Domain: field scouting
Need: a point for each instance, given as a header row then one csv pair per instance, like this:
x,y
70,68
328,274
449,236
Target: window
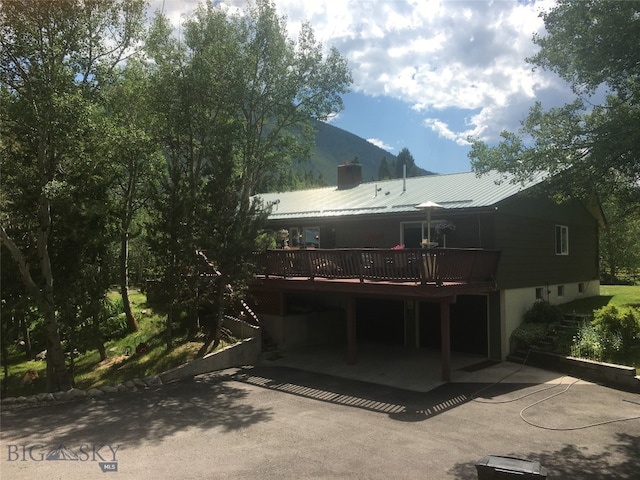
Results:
x,y
561,290
581,287
539,292
562,240
304,237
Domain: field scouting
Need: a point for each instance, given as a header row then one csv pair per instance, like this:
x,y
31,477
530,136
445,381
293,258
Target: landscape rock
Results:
x,y
76,393
60,395
108,389
139,383
130,385
122,388
9,400
153,381
95,392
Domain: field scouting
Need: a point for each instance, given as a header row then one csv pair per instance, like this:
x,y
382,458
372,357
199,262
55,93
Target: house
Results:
x,y
450,262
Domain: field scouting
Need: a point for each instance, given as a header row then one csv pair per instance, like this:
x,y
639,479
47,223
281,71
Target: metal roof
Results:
x,y
451,191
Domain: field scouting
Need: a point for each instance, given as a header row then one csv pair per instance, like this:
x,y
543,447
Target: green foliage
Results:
x,y
542,312
395,169
405,159
181,135
234,103
593,147
620,257
114,324
612,336
528,334
588,343
55,58
620,323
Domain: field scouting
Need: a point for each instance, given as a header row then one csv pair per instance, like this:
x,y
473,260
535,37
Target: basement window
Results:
x,y
562,240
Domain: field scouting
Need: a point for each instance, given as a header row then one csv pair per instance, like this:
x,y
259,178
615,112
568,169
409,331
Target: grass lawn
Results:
x,y
618,295
122,362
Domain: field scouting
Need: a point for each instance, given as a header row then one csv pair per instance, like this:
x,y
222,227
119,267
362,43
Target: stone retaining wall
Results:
x,y
616,376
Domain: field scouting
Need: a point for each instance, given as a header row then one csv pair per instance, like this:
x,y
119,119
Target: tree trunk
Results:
x,y
57,375
26,336
213,336
132,323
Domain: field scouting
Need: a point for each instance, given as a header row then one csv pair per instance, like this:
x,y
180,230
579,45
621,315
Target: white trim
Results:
x,y
564,239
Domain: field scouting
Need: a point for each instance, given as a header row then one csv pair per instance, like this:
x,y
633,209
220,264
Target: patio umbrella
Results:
x,y
429,206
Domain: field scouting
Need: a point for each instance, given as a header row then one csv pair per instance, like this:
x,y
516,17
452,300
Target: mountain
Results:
x,y
335,146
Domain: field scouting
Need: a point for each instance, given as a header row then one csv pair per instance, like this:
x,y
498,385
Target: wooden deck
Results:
x,y
409,273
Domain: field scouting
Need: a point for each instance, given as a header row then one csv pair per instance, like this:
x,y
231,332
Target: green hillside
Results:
x,y
335,146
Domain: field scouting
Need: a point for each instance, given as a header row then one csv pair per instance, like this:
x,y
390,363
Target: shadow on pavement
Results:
x,y
398,404
620,461
134,417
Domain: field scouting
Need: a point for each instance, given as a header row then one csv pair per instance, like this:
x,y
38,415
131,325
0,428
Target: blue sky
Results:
x,y
427,73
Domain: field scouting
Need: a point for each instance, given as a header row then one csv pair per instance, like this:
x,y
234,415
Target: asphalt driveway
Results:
x,y
276,422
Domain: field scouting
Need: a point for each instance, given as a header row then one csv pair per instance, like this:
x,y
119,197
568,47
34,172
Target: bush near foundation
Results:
x,y
543,312
528,334
538,322
616,320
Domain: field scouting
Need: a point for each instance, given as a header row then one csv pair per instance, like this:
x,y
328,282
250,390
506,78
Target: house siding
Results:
x,y
472,229
526,237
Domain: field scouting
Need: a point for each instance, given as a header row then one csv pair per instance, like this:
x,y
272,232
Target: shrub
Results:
x,y
593,343
588,343
114,324
528,334
112,307
543,312
623,323
114,328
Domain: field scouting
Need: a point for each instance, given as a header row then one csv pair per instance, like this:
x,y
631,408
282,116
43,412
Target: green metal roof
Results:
x,y
451,191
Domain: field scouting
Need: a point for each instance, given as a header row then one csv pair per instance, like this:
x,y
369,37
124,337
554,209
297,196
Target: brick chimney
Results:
x,y
349,175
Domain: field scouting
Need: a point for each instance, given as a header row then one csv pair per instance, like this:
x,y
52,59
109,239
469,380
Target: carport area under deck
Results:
x,y
390,365
433,275
350,292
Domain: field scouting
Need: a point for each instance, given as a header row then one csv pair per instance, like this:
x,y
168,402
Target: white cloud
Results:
x,y
435,55
443,130
438,55
380,143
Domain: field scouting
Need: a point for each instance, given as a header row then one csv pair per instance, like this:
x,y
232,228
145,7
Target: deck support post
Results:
x,y
282,304
445,337
352,344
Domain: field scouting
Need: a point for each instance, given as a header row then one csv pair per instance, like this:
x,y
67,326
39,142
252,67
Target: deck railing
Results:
x,y
439,265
